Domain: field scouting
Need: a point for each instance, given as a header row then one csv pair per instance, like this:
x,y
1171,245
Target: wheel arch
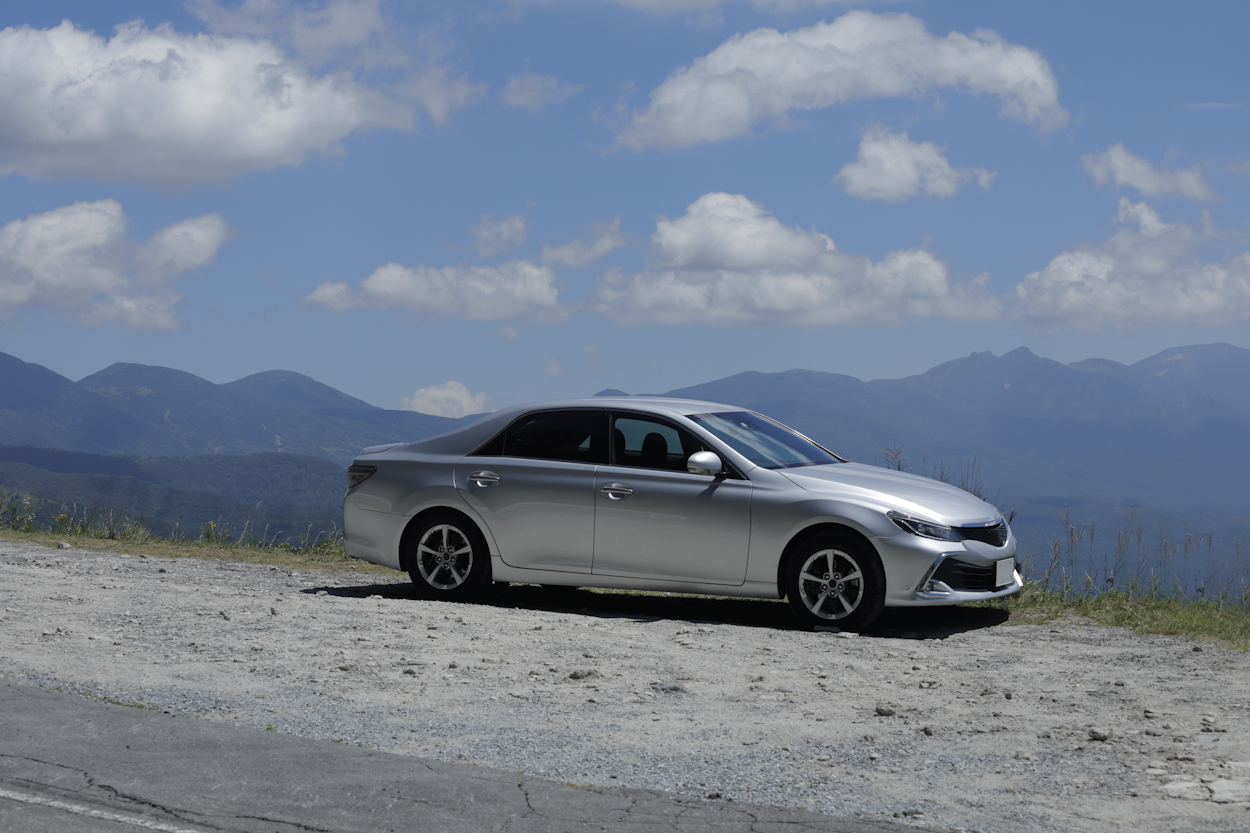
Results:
x,y
415,522
806,534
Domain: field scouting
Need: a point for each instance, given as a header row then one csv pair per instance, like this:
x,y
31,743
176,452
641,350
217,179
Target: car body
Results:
x,y
651,493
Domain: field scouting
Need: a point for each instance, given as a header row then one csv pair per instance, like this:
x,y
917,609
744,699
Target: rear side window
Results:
x,y
555,435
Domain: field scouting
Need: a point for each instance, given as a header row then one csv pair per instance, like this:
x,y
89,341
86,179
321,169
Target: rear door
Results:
x,y
534,488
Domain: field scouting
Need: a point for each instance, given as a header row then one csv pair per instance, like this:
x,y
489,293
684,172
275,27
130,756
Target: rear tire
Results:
x,y
447,557
835,580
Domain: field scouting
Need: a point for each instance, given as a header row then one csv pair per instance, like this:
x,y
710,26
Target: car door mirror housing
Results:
x,y
705,462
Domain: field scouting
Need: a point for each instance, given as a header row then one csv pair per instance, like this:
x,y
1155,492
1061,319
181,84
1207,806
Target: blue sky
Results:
x,y
544,198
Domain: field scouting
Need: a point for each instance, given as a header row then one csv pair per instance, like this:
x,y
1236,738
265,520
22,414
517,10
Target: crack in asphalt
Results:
x,y
295,824
45,763
132,802
526,794
181,815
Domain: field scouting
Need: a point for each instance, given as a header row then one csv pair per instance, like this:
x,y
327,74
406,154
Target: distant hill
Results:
x,y
285,494
1169,434
152,411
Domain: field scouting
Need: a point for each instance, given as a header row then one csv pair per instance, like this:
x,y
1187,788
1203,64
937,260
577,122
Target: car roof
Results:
x,y
463,440
655,404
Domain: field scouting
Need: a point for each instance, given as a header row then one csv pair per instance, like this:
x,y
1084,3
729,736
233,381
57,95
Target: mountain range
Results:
x,y
1169,435
154,411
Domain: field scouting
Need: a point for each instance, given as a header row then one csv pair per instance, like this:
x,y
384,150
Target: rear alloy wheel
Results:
x,y
447,557
835,581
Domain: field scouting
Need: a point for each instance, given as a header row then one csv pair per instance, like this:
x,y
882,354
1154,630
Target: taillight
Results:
x,y
359,474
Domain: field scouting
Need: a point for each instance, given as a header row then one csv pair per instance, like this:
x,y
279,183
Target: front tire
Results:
x,y
447,557
836,581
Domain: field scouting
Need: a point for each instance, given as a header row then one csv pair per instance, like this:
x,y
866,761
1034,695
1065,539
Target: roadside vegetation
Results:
x,y
1173,615
1134,580
1186,584
109,531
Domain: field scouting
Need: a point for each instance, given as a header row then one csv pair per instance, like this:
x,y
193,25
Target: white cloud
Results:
x,y
495,236
317,34
891,167
77,261
437,93
160,107
534,92
728,261
514,289
1144,273
1120,167
554,369
450,399
182,246
603,238
351,33
764,74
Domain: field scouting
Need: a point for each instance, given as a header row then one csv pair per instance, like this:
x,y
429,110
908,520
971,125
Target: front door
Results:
x,y
653,519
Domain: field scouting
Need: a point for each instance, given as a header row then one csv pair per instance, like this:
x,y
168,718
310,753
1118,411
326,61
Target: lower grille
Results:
x,y
995,536
960,575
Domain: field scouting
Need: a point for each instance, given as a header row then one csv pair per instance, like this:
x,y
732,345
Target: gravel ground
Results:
x,y
945,719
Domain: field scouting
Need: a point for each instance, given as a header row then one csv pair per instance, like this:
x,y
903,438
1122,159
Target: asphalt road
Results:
x,y
70,765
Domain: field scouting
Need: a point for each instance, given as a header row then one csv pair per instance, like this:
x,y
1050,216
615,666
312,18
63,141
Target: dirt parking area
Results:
x,y
957,720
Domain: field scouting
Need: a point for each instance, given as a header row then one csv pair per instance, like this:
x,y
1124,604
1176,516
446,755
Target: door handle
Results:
x,y
482,479
616,491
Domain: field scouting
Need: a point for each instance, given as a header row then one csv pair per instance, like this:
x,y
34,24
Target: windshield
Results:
x,y
764,442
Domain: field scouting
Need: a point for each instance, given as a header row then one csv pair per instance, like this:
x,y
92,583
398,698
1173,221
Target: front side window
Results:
x,y
768,444
646,443
555,435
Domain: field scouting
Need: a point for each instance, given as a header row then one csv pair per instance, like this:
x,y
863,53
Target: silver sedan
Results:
x,y
647,493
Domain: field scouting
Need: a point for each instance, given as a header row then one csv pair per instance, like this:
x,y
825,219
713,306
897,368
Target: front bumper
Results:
x,y
916,577
936,592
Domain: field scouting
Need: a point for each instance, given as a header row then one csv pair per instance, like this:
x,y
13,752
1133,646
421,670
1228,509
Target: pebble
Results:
x,y
1190,790
1227,791
885,710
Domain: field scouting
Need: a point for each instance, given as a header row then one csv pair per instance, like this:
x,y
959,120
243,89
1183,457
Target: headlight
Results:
x,y
923,528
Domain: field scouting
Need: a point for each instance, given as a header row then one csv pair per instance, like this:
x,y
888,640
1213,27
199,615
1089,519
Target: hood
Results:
x,y
922,497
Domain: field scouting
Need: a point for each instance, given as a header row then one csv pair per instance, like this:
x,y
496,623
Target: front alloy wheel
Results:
x,y
831,584
836,581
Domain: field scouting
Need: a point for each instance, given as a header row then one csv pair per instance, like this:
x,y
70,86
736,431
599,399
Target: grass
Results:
x,y
1205,620
330,557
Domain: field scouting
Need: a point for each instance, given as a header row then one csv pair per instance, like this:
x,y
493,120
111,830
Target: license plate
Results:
x,y
1004,572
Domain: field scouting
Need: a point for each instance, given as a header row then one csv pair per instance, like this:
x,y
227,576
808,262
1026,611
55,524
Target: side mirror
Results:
x,y
705,462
